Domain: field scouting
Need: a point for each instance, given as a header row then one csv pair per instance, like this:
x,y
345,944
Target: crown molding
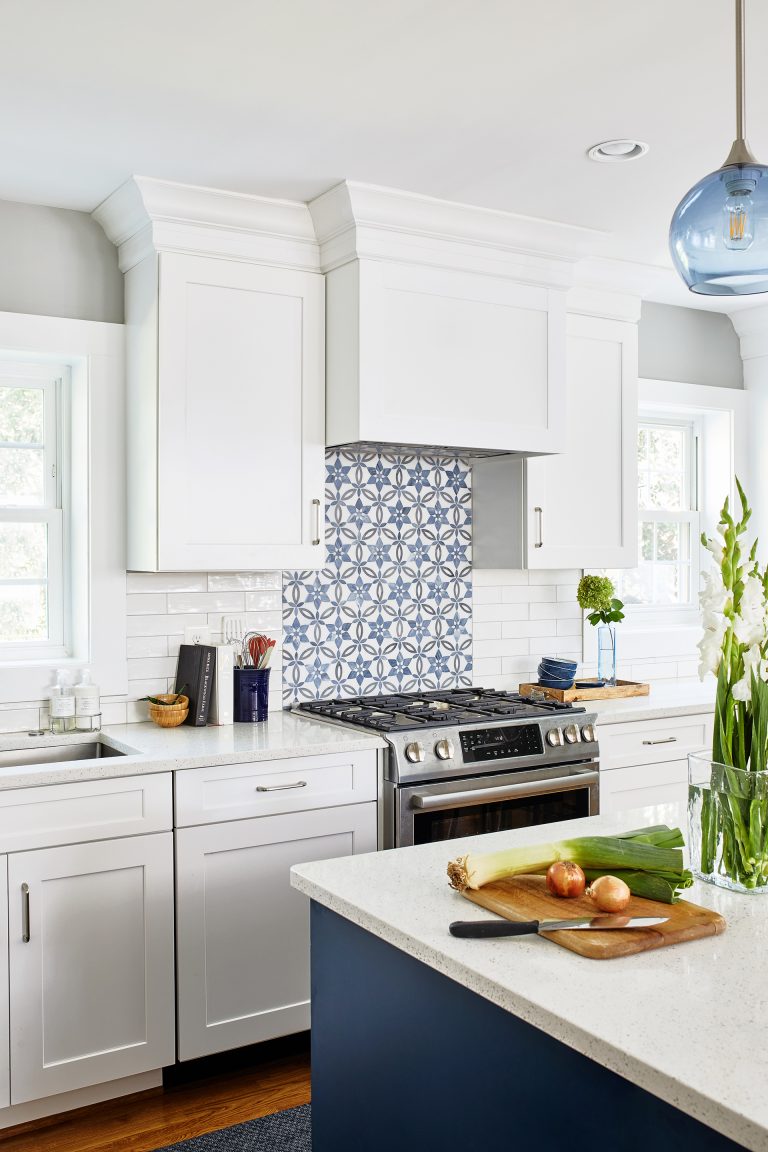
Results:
x,y
354,221
145,215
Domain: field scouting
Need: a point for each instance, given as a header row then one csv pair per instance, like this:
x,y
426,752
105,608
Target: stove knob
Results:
x,y
555,737
572,733
588,733
444,749
414,752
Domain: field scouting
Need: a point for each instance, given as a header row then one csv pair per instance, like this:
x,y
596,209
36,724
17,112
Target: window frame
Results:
x,y
725,417
93,490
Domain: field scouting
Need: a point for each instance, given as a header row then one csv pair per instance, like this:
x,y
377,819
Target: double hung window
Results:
x,y
32,531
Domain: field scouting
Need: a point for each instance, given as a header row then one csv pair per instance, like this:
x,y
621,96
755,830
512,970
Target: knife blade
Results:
x,y
492,929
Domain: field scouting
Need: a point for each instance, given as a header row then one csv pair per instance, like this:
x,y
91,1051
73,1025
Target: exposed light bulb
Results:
x,y
738,212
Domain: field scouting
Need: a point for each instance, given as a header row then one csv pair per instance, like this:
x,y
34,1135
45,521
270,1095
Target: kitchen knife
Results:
x,y
490,929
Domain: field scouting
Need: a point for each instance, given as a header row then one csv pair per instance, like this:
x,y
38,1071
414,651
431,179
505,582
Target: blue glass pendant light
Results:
x,y
719,231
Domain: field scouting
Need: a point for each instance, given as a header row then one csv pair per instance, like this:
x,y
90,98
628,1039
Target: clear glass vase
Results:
x,y
728,825
606,653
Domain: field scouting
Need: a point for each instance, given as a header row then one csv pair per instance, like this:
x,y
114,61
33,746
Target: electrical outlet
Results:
x,y
199,634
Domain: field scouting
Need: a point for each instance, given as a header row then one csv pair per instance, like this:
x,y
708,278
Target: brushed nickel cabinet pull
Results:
x,y
540,542
280,787
316,510
25,913
666,740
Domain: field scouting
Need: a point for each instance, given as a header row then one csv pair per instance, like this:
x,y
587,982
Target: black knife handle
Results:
x,y
490,929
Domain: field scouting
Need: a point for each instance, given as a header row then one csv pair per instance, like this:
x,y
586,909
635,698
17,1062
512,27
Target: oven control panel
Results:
x,y
479,745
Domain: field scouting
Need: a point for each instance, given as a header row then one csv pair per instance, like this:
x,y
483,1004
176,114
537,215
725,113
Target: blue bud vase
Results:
x,y
606,653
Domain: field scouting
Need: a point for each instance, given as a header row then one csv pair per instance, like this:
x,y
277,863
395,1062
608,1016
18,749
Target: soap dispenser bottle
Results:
x,y
87,704
62,704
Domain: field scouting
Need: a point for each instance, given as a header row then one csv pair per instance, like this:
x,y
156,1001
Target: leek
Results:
x,y
645,852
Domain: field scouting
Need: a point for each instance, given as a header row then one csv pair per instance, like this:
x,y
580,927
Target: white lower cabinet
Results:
x,y
91,971
646,761
242,931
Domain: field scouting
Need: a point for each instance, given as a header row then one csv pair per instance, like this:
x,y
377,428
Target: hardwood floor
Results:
x,y
196,1098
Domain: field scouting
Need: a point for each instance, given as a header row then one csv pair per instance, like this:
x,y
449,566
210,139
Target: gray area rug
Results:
x,y
288,1131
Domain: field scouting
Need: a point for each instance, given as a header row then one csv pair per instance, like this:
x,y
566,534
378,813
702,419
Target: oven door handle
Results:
x,y
507,792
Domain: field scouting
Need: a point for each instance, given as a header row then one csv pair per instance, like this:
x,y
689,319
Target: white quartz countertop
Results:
x,y
153,749
667,698
686,1023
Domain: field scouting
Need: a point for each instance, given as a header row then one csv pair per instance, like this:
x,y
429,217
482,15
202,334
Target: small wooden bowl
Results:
x,y
169,715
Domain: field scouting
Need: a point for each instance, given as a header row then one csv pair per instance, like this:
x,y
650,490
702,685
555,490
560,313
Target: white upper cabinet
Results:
x,y
577,509
225,416
446,324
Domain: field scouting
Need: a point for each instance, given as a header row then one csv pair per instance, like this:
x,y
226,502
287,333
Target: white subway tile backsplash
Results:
x,y
569,627
145,647
489,595
567,593
489,631
245,581
147,687
268,601
528,628
528,594
557,611
218,602
166,582
140,603
485,612
163,625
554,576
486,667
510,647
498,576
154,667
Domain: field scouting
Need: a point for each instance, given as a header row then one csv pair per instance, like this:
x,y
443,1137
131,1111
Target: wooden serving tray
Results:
x,y
621,689
527,898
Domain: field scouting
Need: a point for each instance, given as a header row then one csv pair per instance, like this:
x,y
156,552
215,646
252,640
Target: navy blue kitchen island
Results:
x,y
423,1041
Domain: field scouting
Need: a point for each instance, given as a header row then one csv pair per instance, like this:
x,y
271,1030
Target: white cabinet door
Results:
x,y
91,963
420,355
581,505
641,784
242,931
5,1079
237,420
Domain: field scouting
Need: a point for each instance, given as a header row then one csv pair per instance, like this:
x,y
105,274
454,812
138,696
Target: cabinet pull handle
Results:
x,y
540,542
280,787
25,913
666,740
316,510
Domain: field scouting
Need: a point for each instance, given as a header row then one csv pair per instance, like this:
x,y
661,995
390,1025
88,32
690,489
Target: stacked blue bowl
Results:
x,y
557,673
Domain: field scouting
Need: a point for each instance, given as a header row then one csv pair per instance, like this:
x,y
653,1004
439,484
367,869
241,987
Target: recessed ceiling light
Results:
x,y
611,151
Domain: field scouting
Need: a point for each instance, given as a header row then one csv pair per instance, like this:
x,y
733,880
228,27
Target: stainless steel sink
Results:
x,y
57,753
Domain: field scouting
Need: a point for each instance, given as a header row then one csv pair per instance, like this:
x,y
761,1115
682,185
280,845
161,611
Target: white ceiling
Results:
x,y
487,102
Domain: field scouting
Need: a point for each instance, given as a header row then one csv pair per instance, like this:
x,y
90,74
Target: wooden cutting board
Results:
x,y
527,898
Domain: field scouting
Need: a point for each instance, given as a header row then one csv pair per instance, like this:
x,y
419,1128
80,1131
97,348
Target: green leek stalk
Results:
x,y
600,854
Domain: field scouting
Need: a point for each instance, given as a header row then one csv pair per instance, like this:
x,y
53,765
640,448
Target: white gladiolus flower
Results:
x,y
716,548
749,625
714,595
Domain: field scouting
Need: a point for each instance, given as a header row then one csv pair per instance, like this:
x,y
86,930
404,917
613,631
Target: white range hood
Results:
x,y
446,324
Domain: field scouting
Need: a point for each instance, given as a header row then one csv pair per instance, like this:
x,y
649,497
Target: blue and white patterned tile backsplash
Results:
x,y
392,611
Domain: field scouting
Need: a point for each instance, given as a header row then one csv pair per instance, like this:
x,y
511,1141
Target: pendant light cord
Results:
x,y
740,79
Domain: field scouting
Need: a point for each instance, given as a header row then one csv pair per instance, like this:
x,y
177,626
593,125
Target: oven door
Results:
x,y
472,806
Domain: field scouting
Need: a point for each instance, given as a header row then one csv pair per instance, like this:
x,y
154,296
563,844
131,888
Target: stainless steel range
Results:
x,y
470,760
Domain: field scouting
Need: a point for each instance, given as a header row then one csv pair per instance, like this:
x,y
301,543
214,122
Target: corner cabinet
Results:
x,y
226,438
577,509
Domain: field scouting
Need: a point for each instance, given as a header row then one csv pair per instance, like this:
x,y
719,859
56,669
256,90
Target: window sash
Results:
x,y
54,645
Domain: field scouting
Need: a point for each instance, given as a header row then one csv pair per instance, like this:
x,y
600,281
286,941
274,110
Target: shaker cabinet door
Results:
x,y
581,505
243,932
91,963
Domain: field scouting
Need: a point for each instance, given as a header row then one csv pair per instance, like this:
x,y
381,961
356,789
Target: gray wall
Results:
x,y
54,262
690,345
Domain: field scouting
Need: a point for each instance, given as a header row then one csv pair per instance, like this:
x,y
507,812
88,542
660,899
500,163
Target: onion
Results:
x,y
564,878
609,893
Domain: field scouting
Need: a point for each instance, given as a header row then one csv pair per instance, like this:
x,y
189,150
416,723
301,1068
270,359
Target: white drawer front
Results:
x,y
641,784
297,784
651,741
86,810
